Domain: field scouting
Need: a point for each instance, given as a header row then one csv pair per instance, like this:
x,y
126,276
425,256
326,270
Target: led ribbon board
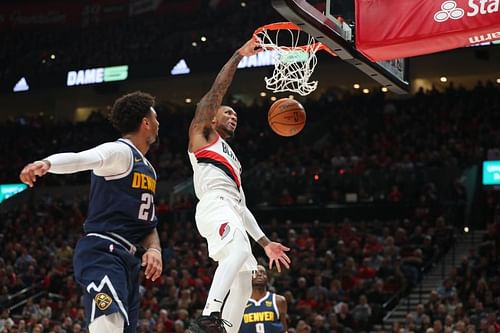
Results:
x,y
96,75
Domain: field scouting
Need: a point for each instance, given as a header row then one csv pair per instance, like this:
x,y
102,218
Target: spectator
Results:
x,y
447,291
45,309
6,322
361,313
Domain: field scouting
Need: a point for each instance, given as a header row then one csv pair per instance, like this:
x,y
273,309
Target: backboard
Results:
x,y
331,22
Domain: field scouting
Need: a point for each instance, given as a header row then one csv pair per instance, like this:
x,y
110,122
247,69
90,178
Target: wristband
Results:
x,y
154,249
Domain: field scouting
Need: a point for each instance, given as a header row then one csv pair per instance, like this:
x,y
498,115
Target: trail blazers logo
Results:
x,y
224,230
103,301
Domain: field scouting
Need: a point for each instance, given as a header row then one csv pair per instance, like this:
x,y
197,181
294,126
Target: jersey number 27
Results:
x,y
147,207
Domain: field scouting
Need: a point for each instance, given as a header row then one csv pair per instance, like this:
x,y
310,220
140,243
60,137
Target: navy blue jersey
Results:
x,y
262,316
124,203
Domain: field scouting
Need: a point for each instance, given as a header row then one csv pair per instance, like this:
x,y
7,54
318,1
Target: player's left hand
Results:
x,y
276,253
151,259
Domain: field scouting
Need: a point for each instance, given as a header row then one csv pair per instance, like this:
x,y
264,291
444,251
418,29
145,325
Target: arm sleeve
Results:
x,y
108,159
251,225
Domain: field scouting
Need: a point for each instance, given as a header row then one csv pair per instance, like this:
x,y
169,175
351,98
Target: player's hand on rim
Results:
x,y
276,253
251,47
31,171
151,260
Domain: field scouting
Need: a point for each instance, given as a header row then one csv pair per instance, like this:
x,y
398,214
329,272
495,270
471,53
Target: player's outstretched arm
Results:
x,y
201,125
110,158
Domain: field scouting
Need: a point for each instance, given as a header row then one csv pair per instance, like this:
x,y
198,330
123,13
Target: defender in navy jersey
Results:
x,y
121,215
222,216
265,312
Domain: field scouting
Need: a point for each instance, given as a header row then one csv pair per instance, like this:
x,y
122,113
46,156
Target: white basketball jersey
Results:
x,y
216,168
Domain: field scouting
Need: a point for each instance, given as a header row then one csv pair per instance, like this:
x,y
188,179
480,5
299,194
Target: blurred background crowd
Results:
x,y
344,271
370,196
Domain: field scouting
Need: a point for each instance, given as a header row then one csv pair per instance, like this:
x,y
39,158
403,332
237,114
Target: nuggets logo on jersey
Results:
x,y
103,301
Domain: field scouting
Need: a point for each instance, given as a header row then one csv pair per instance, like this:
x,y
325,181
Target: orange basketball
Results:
x,y
286,117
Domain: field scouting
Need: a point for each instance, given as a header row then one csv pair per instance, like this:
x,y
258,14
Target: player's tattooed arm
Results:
x,y
208,105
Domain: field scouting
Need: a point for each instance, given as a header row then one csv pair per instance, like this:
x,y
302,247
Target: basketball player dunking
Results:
x,y
265,312
121,213
222,217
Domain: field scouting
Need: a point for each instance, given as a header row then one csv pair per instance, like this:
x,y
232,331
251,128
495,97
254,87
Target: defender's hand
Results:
x,y
31,171
151,259
276,253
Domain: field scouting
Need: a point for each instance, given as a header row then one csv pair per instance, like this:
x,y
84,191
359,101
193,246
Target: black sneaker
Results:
x,y
209,324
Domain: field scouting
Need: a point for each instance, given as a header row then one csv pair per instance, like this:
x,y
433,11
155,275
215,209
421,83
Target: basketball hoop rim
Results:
x,y
292,26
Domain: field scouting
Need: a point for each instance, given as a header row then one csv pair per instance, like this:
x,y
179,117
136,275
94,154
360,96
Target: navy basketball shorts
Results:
x,y
109,276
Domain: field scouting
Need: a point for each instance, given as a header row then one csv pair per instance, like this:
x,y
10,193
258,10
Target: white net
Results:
x,y
293,63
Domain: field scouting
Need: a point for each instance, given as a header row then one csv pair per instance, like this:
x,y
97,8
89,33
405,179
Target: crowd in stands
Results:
x,y
341,276
400,151
469,299
343,271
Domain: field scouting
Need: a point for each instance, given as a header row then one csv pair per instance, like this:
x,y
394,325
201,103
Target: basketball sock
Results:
x,y
240,292
226,273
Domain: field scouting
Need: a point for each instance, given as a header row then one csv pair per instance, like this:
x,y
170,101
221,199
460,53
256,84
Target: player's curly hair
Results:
x,y
129,110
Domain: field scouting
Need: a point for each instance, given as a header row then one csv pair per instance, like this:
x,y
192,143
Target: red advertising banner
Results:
x,y
390,29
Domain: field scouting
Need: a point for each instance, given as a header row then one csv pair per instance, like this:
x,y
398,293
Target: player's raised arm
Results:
x,y
200,130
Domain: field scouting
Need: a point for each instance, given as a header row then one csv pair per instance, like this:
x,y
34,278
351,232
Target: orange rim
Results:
x,y
292,26
277,26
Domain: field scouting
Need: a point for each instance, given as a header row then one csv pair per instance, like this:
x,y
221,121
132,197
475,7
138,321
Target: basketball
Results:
x,y
286,117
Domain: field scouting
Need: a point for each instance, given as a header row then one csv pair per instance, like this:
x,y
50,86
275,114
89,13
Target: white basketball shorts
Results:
x,y
217,219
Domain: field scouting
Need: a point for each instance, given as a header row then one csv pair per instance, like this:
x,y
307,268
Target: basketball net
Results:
x,y
293,63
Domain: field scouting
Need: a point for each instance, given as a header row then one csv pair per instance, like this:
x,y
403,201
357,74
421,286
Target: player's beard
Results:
x,y
228,133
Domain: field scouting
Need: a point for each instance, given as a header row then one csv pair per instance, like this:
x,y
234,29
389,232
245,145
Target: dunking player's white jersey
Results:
x,y
216,168
221,210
